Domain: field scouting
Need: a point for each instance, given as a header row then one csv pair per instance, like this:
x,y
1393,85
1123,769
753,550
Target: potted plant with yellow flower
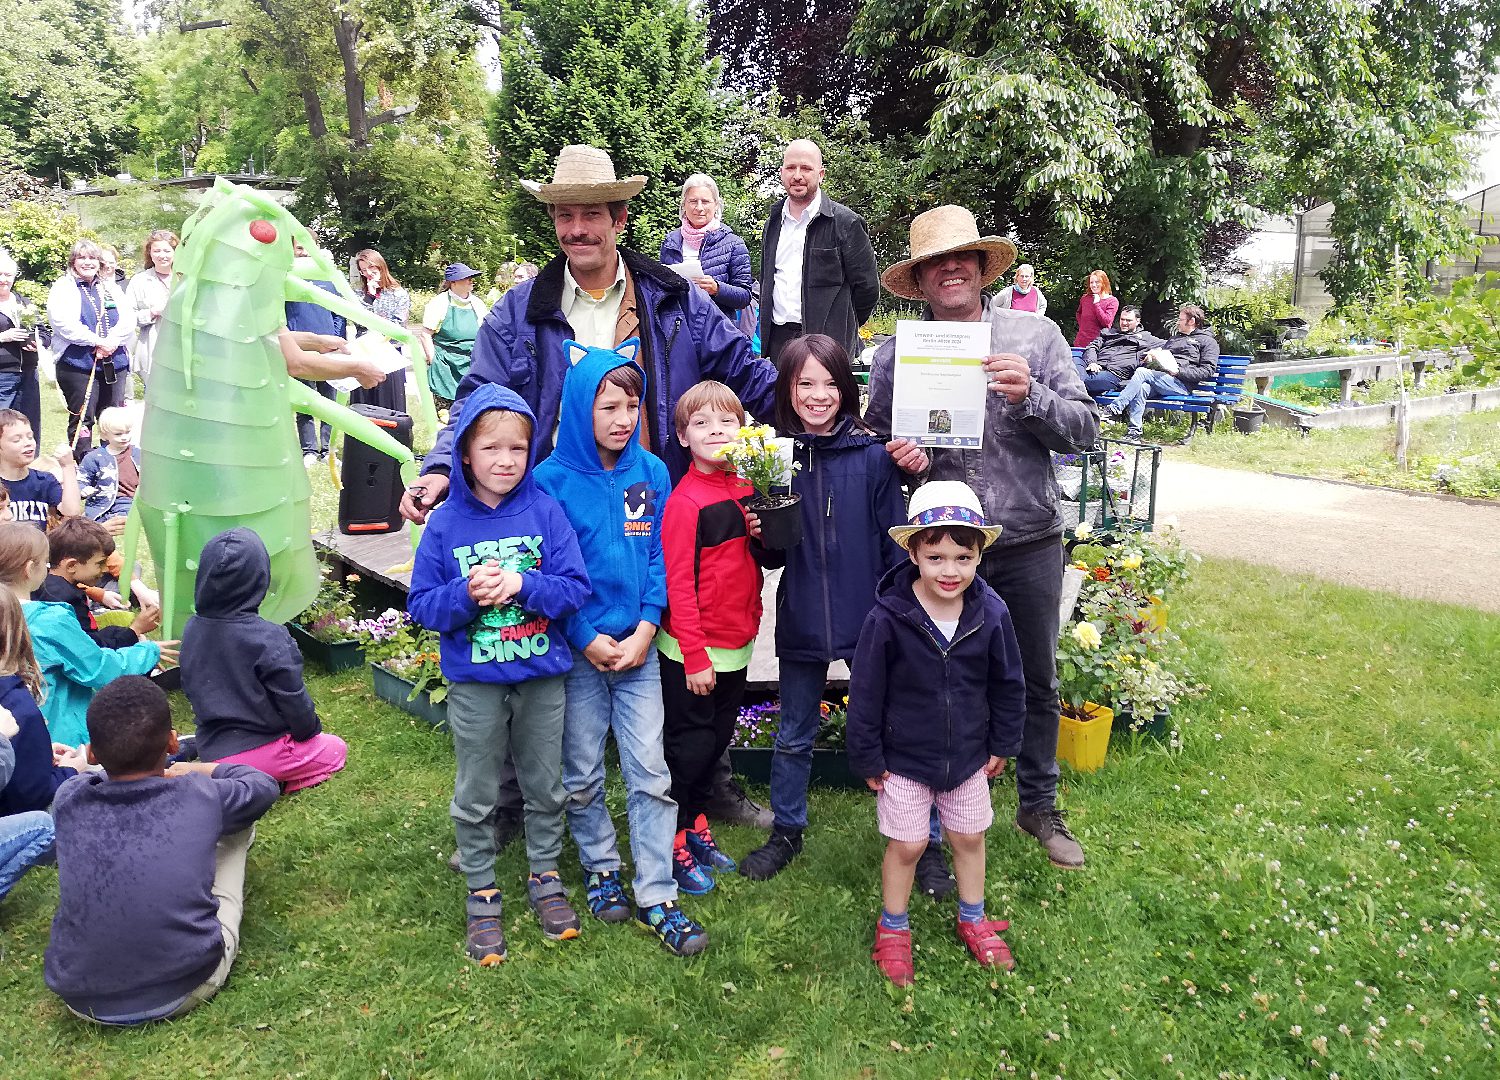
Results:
x,y
765,463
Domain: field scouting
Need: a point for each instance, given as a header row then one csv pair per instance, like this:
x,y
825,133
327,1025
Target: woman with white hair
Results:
x,y
1024,295
723,261
89,333
18,352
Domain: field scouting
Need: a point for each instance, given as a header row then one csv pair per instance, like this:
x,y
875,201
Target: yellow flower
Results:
x,y
1087,635
726,451
1130,562
1081,565
744,433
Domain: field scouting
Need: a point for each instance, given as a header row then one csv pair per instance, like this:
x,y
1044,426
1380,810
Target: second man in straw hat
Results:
x,y
1036,405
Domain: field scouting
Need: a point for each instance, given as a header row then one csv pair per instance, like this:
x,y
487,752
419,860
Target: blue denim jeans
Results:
x,y
10,388
1101,382
25,840
802,683
1145,383
629,704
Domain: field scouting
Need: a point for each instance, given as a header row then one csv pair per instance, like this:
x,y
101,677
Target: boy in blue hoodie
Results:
x,y
497,563
613,490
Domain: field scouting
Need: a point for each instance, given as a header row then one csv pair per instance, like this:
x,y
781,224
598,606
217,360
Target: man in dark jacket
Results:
x,y
1190,357
599,294
817,268
1111,358
1036,405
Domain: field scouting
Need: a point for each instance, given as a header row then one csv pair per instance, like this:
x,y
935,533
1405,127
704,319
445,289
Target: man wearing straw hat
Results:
x,y
600,294
1037,405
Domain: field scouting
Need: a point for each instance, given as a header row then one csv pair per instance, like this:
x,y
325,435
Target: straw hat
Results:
x,y
584,174
939,231
944,502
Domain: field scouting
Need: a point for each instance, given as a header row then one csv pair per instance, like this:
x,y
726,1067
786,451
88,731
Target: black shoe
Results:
x,y
730,805
933,876
771,858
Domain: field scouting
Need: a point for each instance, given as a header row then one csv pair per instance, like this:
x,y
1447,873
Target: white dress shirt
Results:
x,y
786,286
593,321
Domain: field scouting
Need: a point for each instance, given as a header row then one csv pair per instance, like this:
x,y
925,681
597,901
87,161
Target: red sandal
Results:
x,y
984,942
892,955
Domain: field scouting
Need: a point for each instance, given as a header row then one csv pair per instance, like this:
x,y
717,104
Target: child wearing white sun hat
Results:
x,y
937,704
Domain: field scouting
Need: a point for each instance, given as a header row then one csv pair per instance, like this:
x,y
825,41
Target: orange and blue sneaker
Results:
x,y
606,897
485,940
550,902
690,877
679,935
700,841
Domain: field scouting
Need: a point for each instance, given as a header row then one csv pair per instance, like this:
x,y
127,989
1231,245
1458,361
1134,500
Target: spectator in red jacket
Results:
x,y
1096,309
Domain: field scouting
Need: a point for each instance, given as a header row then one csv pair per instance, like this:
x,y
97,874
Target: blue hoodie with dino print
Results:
x,y
529,533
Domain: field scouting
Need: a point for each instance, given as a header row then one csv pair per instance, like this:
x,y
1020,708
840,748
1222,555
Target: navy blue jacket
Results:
x,y
684,340
35,779
930,712
725,258
242,674
851,494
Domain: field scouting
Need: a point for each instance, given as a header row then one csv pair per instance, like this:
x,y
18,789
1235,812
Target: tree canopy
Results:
x,y
630,76
1130,134
65,87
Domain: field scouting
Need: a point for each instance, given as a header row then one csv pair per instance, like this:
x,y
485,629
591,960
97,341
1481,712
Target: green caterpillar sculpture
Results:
x,y
219,443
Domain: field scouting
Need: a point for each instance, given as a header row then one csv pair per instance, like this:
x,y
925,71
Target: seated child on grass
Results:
x,y
73,665
34,493
108,474
37,770
243,674
150,867
498,562
77,550
613,490
713,615
936,706
25,838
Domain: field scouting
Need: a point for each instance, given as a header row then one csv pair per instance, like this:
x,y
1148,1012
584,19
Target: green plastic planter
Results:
x,y
328,655
1158,727
830,768
392,688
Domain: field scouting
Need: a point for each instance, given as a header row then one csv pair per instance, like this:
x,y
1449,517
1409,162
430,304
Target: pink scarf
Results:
x,y
693,238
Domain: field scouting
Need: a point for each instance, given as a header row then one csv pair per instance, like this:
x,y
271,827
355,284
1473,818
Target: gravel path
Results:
x,y
1412,545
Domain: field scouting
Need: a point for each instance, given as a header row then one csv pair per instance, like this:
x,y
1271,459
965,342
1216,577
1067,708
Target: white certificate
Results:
x,y
940,385
371,346
688,268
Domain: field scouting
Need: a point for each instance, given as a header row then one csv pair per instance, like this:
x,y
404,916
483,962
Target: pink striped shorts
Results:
x,y
904,808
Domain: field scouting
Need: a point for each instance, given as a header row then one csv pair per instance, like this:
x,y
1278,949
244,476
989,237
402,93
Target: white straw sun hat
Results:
x,y
584,174
944,502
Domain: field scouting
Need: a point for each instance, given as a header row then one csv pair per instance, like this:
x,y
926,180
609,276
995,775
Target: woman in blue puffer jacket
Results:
x,y
721,254
851,496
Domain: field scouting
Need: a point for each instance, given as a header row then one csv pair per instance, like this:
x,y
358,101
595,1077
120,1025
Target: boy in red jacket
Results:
x,y
713,615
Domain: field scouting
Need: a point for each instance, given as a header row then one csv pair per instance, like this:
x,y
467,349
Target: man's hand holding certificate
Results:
x,y
940,378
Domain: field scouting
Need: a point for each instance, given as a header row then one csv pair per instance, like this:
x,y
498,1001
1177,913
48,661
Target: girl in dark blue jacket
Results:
x,y
851,494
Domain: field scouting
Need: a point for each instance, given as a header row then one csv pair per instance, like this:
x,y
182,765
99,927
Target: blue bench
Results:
x,y
1212,396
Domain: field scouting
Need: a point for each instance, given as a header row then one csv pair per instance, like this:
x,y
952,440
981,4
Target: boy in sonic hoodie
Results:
x,y
497,564
613,490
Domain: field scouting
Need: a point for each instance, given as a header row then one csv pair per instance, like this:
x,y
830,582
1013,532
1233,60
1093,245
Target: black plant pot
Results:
x,y
1248,421
780,520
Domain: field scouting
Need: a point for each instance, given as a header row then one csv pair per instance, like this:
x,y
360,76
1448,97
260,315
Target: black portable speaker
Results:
x,y
371,496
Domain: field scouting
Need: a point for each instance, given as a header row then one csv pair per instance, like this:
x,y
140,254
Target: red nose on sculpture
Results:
x,y
263,231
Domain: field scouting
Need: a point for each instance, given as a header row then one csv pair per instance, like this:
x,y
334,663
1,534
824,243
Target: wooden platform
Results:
x,y
377,558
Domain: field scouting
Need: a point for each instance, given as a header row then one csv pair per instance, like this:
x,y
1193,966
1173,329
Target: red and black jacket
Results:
x,y
713,567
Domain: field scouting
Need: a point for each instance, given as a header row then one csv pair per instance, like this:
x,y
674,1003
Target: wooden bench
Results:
x,y
1212,396
1352,369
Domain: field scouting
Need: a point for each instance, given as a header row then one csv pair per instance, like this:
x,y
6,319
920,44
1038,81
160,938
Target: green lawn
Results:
x,y
1305,887
1468,445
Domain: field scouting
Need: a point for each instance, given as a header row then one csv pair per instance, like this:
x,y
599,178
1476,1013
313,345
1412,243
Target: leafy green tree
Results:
x,y
65,75
1138,135
630,76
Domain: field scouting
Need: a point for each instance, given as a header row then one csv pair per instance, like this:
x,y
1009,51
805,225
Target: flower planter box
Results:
x,y
830,768
392,688
328,655
1158,726
1083,741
